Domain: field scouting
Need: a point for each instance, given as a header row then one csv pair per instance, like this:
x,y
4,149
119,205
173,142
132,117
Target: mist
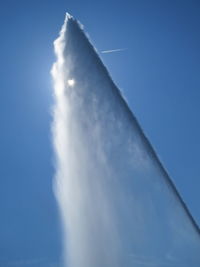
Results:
x,y
118,205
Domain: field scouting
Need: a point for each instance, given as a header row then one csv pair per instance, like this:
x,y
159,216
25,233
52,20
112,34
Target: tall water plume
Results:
x,y
118,205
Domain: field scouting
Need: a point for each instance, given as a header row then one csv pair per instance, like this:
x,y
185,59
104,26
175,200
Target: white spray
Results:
x,y
118,206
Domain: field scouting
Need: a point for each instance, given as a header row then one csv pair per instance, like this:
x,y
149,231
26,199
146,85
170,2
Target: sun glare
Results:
x,y
71,82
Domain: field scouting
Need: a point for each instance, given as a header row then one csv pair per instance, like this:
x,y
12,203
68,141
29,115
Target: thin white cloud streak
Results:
x,y
113,50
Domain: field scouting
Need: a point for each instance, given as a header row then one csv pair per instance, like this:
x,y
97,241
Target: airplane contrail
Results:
x,y
113,50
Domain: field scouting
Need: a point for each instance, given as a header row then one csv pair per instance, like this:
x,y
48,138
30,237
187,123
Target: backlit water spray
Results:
x,y
118,205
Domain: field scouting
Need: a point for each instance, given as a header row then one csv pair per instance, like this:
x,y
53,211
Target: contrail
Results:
x,y
114,195
113,50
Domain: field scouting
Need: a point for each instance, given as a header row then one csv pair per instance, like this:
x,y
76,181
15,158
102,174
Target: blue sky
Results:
x,y
158,74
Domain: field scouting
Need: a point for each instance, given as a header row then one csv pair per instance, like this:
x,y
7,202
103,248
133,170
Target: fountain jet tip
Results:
x,y
68,16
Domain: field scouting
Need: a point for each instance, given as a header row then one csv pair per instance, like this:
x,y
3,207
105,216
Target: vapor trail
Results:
x,y
115,197
113,50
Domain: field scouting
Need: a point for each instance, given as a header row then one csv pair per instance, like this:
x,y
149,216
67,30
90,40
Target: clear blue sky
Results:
x,y
158,74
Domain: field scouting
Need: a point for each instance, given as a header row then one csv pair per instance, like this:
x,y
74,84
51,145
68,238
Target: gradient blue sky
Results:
x,y
158,74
